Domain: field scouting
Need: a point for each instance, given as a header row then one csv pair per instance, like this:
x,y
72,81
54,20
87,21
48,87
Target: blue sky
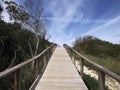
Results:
x,y
70,19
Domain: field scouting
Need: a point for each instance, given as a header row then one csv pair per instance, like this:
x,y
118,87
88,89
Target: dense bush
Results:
x,y
96,47
91,82
101,52
13,39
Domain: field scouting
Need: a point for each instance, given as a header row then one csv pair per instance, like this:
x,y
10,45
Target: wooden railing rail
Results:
x,y
102,71
16,70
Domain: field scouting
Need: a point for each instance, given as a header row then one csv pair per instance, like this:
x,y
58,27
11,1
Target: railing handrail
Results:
x,y
106,71
15,68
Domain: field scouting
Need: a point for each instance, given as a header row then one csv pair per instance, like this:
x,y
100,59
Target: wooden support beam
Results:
x,y
17,80
37,67
81,67
44,59
101,77
74,55
49,53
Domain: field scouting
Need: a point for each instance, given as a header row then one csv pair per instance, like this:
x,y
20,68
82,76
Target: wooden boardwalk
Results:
x,y
60,74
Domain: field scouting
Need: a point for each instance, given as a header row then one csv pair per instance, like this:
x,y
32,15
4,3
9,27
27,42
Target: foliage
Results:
x,y
101,52
9,43
96,47
14,48
12,38
17,12
109,63
91,82
29,16
20,40
28,77
6,83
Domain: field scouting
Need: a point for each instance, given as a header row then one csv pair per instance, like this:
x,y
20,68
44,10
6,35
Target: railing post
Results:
x,y
49,53
17,80
37,66
101,77
71,54
51,50
81,67
74,58
44,60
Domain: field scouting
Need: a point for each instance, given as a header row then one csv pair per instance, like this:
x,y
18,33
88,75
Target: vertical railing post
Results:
x,y
101,77
81,67
49,52
17,80
37,66
74,58
52,49
44,60
71,54
68,51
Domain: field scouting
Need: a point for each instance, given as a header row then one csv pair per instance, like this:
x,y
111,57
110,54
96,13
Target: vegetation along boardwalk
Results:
x,y
60,74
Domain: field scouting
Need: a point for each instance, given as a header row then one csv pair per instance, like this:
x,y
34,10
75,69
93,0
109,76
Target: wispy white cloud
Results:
x,y
102,20
62,12
70,42
76,20
107,31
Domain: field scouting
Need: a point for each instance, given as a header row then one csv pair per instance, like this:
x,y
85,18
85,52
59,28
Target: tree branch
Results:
x,y
37,44
14,57
30,48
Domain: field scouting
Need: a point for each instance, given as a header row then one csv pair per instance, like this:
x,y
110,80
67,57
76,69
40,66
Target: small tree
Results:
x,y
30,16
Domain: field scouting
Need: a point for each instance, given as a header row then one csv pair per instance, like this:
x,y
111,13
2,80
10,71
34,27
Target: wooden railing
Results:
x,y
102,71
16,70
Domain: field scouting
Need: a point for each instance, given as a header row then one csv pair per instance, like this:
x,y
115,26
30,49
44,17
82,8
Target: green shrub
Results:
x,y
91,82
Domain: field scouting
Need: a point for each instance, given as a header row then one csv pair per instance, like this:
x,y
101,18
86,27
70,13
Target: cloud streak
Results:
x,y
64,14
60,20
107,31
75,20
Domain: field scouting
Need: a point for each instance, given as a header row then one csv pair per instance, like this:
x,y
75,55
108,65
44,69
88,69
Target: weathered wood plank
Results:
x,y
61,74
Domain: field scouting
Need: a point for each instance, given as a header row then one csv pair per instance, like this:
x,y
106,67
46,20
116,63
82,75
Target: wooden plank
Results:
x,y
61,74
